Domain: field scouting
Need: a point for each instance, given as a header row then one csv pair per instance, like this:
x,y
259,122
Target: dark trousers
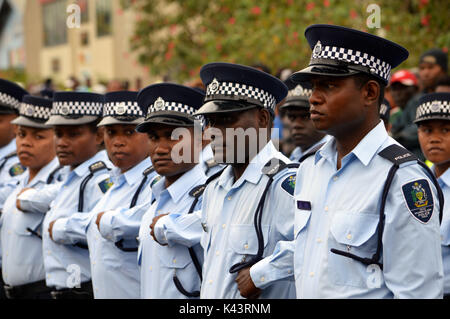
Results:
x,y
35,290
84,292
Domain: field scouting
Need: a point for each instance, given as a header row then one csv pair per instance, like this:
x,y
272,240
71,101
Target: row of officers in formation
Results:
x,y
95,205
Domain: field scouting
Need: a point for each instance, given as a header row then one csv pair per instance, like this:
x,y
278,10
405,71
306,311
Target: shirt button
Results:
x,y
229,198
174,261
335,178
151,268
311,274
223,226
246,246
289,271
217,253
210,281
326,208
262,279
319,240
349,236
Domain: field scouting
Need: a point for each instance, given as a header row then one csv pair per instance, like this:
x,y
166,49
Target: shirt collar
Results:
x,y
445,178
365,150
8,149
83,168
253,172
184,183
43,173
135,174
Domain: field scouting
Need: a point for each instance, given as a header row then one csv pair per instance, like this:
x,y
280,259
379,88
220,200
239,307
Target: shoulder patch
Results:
x,y
289,184
155,180
105,185
419,199
16,169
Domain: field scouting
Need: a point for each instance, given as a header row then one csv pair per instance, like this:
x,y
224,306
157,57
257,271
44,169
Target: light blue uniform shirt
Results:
x,y
344,215
444,182
115,273
159,263
297,153
228,217
66,265
10,172
207,157
22,261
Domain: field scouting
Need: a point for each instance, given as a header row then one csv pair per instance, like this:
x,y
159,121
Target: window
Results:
x,y
55,29
104,17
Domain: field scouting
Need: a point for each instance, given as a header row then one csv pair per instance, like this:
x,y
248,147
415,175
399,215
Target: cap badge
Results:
x,y
435,106
159,104
298,91
317,48
29,110
64,110
121,108
214,86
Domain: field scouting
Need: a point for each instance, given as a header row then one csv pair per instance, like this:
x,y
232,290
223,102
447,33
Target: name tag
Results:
x,y
303,205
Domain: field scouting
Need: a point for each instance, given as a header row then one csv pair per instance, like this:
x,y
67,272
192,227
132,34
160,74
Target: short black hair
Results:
x,y
443,81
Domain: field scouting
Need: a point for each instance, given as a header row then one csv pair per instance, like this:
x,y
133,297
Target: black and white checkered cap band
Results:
x,y
161,105
77,108
128,108
9,100
380,68
433,108
242,90
34,111
300,91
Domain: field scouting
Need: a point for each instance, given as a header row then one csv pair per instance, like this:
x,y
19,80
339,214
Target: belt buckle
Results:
x,y
56,294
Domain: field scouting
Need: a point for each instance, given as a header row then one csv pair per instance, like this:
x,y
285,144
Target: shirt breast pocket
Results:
x,y
174,257
354,233
244,241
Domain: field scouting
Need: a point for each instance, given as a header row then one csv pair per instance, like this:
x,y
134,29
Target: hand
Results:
x,y
152,227
97,221
17,200
246,286
50,229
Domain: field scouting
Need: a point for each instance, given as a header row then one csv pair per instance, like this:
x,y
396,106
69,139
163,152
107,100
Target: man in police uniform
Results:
x,y
302,130
352,239
249,207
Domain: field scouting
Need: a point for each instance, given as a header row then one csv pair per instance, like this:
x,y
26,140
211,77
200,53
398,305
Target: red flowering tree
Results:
x,y
176,37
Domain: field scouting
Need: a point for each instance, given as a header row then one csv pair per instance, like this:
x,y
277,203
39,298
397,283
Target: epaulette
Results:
x,y
97,166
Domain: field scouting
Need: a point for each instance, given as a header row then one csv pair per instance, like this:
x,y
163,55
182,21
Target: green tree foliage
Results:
x,y
176,37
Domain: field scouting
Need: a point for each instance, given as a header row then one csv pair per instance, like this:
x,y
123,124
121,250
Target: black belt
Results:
x,y
27,290
84,292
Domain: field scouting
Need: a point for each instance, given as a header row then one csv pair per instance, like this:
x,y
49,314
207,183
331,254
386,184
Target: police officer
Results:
x,y
433,121
303,133
363,201
10,168
249,207
171,271
75,116
11,95
22,265
115,273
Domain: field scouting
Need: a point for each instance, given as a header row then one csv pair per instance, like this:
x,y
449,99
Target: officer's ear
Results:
x,y
99,135
371,92
264,118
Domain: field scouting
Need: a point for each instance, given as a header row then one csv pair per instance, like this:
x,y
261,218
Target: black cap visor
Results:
x,y
224,106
